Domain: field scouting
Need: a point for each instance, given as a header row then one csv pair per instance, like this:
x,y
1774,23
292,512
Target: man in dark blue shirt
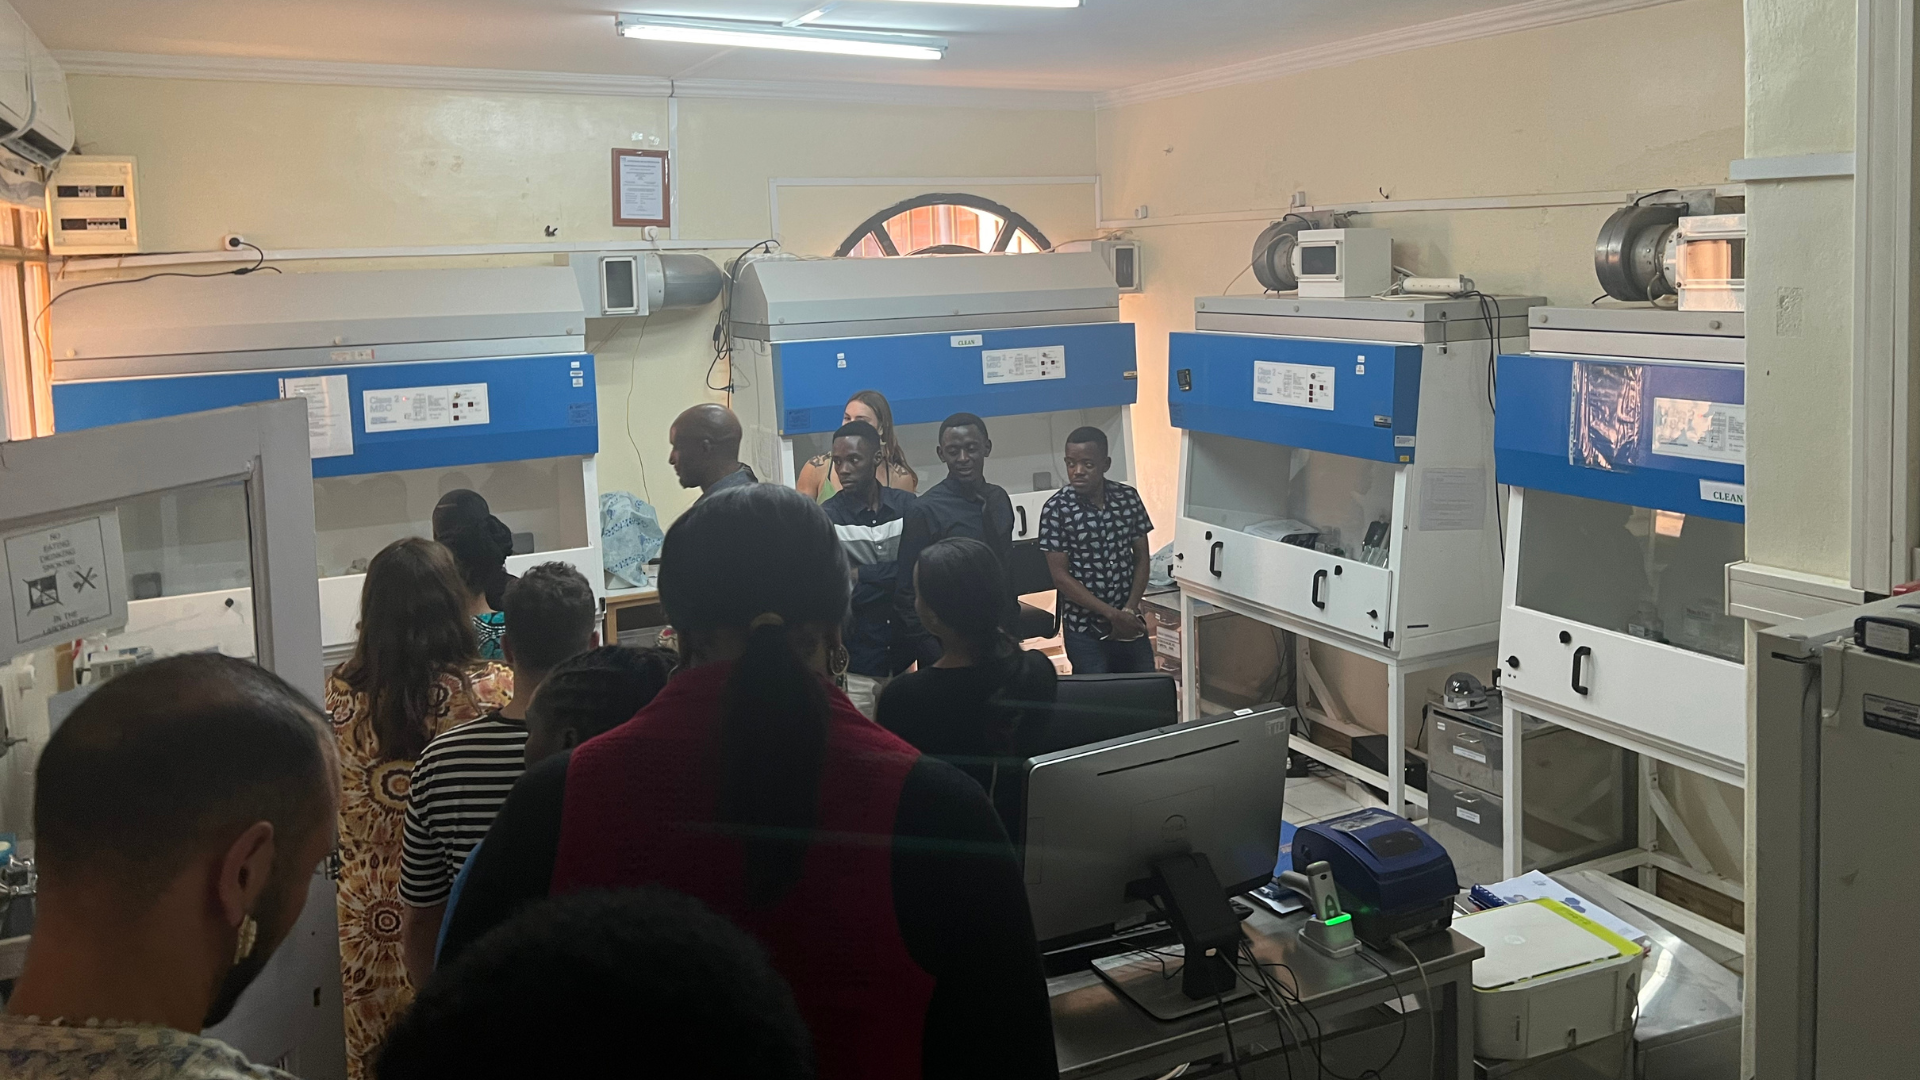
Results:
x,y
869,517
1094,532
963,504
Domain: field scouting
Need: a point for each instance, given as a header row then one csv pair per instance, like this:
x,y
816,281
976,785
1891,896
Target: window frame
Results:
x,y
1011,222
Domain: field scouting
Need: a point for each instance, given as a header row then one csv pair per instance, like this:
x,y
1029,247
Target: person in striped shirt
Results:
x,y
462,777
868,517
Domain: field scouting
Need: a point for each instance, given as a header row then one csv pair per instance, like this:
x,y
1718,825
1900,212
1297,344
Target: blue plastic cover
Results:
x,y
1658,434
1233,384
538,407
928,377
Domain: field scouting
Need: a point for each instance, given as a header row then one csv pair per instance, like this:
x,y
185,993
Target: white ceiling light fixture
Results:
x,y
1003,3
736,33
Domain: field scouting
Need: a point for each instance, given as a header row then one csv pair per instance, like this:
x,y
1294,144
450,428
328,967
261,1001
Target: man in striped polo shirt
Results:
x,y
462,777
868,516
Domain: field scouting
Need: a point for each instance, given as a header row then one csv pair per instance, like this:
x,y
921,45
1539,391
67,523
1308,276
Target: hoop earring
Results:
x,y
249,932
839,660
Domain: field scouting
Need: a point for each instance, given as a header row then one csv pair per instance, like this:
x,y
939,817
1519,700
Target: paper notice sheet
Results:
x,y
329,413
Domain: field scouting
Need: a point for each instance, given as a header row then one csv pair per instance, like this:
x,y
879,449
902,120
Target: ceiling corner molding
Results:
x,y
1527,15
415,77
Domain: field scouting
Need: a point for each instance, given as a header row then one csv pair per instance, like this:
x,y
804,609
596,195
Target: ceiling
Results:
x,y
1107,45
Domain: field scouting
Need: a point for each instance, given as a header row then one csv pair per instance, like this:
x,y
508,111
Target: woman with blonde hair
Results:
x,y
415,672
816,480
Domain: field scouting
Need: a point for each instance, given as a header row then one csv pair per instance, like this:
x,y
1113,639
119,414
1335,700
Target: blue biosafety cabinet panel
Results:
x,y
536,407
1360,399
928,377
1660,434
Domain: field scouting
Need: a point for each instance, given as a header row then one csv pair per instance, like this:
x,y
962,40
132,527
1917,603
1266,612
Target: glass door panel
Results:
x,y
1654,574
1338,505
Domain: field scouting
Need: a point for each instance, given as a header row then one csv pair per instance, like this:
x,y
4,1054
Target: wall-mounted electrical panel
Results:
x,y
91,208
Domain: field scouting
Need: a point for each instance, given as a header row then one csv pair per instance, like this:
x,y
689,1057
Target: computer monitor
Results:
x,y
1099,816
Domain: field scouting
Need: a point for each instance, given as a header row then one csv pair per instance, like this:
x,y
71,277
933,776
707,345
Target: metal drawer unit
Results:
x,y
1466,821
1576,807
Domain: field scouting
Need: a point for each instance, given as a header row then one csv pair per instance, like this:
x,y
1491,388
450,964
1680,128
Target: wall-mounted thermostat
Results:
x,y
91,207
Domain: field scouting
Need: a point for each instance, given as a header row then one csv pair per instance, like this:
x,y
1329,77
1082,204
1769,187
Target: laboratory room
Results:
x,y
878,539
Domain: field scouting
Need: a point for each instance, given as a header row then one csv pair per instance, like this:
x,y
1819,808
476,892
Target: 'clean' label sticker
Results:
x,y
1715,491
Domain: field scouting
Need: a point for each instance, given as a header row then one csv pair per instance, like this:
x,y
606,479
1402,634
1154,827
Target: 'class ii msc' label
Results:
x,y
1299,385
1891,714
1023,365
425,407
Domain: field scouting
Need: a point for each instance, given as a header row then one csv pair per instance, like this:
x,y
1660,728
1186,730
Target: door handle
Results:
x,y
1579,655
1022,511
1319,579
1213,557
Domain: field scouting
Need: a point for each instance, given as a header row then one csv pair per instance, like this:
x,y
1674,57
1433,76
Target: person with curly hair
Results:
x,y
415,672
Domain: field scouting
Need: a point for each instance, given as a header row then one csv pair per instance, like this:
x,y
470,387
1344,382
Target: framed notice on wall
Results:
x,y
642,188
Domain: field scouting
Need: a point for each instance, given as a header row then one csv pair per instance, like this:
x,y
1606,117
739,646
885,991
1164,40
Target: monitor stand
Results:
x,y
1155,981
1185,888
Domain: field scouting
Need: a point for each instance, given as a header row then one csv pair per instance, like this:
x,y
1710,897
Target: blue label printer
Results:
x,y
1395,880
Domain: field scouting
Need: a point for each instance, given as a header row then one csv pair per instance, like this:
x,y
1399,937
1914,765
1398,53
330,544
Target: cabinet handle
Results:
x,y
1579,655
1319,579
1213,557
1022,511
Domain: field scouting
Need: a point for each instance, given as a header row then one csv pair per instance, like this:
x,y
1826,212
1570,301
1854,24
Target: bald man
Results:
x,y
706,450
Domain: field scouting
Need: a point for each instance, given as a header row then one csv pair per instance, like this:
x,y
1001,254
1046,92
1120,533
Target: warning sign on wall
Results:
x,y
66,581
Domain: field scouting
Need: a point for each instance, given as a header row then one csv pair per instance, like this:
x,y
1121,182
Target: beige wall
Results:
x,y
294,166
1543,111
1800,91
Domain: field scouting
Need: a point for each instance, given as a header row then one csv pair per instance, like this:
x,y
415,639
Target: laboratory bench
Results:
x,y
635,613
1098,1034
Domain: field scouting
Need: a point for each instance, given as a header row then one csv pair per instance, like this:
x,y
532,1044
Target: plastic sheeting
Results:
x,y
1609,404
630,536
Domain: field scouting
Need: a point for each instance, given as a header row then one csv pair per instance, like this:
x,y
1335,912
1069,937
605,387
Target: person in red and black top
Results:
x,y
880,881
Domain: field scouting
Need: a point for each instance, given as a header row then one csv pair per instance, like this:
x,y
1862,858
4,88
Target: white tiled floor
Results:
x,y
1316,798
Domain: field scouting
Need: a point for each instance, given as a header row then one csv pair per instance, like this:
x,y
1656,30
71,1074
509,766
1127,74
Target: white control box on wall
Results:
x,y
91,208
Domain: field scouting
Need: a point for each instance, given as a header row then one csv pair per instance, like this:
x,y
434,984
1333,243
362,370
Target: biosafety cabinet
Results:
x,y
417,382
1033,344
1336,480
1622,436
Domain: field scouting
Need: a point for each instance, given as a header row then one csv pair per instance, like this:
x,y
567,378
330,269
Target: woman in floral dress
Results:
x,y
414,673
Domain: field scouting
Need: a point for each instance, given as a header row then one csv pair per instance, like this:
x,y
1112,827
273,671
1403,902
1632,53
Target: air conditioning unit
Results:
x,y
36,117
1123,258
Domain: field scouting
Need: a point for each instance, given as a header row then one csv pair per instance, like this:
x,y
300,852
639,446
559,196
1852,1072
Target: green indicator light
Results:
x,y
1338,919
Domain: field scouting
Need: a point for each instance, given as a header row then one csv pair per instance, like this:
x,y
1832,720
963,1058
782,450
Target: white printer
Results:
x,y
1552,979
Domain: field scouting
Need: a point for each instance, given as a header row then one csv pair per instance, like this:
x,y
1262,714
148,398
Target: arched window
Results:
x,y
943,225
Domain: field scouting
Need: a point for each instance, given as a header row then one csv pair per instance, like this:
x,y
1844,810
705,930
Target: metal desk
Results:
x,y
1099,1034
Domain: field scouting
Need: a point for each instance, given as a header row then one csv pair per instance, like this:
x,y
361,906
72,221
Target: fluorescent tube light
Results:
x,y
1002,3
752,35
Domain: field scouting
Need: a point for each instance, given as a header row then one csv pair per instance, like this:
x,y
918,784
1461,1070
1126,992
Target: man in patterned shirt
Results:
x,y
1094,532
180,812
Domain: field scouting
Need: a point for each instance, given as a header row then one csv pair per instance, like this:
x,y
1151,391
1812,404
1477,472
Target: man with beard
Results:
x,y
179,815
